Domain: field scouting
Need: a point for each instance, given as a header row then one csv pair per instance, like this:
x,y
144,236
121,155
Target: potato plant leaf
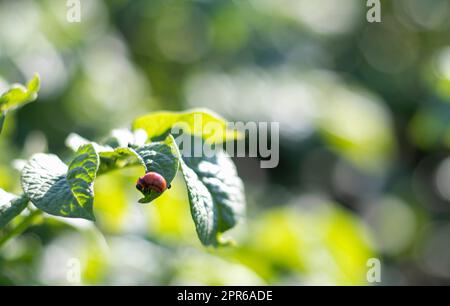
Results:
x,y
60,190
161,156
197,122
17,96
216,195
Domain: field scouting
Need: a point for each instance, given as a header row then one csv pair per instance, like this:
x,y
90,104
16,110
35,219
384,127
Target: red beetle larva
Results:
x,y
152,181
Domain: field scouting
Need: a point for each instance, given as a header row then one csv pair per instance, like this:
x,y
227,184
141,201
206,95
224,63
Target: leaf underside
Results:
x,y
215,194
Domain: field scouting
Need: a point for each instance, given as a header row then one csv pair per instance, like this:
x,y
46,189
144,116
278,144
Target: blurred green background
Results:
x,y
364,113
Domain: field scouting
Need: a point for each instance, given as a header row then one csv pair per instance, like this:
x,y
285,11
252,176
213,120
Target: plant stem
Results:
x,y
21,227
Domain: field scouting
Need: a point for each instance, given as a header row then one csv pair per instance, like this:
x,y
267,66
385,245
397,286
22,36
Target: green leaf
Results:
x,y
10,206
60,190
197,122
110,158
18,96
216,195
161,157
119,158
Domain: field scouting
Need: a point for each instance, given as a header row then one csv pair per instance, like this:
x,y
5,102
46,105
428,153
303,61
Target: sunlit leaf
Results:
x,y
60,190
17,96
197,122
